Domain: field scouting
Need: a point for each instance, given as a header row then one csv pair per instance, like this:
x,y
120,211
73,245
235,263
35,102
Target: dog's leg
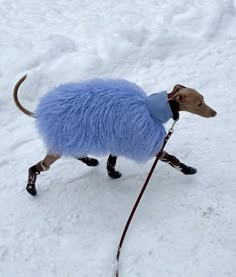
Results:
x,y
111,163
174,162
88,161
36,169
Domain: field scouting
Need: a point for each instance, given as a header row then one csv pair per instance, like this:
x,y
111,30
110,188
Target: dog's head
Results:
x,y
190,100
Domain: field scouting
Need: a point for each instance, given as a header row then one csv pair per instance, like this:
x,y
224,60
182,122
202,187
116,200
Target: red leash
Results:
x,y
140,196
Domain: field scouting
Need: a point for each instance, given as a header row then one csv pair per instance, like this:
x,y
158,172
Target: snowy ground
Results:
x,y
185,226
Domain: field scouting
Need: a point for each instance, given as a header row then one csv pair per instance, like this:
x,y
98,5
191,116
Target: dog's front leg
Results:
x,y
111,163
175,163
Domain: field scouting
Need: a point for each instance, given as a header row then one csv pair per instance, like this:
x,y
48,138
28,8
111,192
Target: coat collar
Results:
x,y
159,107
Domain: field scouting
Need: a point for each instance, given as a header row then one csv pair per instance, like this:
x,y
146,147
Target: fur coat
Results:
x,y
103,116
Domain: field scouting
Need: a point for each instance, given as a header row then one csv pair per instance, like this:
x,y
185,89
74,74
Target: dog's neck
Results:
x,y
174,106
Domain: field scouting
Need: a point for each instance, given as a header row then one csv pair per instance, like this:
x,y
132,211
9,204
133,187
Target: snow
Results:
x,y
185,225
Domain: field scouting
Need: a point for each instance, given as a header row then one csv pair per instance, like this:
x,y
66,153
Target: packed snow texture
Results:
x,y
185,225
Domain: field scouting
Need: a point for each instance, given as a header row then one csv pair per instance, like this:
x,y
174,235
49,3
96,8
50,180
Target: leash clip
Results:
x,y
172,127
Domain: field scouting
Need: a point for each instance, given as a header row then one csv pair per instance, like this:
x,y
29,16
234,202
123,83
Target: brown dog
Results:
x,y
180,99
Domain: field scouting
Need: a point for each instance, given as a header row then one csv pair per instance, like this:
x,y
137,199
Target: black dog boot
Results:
x,y
187,170
111,163
175,163
33,172
113,173
89,161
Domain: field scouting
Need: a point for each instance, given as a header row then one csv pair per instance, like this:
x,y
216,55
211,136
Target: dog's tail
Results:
x,y
17,102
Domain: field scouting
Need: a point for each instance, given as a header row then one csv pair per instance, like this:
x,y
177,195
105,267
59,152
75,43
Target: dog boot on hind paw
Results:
x,y
89,161
33,172
31,189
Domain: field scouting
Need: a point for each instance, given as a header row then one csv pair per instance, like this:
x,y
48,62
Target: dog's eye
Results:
x,y
199,105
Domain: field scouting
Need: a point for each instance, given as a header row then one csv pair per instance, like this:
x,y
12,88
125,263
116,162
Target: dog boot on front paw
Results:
x,y
114,174
187,170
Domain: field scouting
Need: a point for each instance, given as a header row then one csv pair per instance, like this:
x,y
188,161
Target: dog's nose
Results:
x,y
214,113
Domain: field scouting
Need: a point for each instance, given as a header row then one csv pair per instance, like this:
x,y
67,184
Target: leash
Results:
x,y
171,130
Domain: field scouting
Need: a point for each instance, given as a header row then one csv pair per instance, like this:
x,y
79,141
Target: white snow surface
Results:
x,y
185,225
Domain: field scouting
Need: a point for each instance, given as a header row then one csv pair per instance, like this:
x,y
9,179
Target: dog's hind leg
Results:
x,y
111,163
35,170
88,161
175,163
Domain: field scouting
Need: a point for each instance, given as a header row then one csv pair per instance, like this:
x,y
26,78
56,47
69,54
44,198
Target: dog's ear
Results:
x,y
178,97
176,94
177,88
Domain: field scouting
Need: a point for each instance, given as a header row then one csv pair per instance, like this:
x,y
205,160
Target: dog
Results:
x,y
108,116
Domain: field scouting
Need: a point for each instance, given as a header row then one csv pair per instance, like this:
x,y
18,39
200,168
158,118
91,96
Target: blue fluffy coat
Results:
x,y
100,117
